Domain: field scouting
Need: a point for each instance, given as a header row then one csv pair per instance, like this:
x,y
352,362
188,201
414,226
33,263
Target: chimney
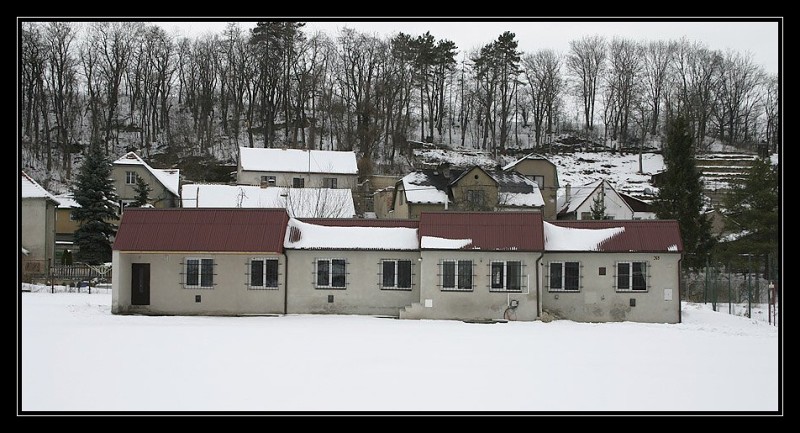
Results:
x,y
567,192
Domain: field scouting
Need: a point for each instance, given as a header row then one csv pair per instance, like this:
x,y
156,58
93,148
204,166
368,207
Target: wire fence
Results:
x,y
747,294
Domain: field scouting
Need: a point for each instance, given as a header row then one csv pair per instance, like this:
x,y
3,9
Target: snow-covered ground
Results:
x,y
76,356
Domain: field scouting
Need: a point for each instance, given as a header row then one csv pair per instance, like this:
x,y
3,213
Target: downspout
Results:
x,y
538,288
680,318
285,282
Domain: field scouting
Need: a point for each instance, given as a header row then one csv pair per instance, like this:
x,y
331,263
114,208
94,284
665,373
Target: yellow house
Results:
x,y
471,189
545,174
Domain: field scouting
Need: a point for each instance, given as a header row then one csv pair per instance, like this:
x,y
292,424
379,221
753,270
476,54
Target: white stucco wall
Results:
x,y
229,296
479,303
615,206
284,179
362,295
37,227
598,301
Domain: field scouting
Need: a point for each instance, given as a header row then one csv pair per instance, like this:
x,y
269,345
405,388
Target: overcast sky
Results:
x,y
757,36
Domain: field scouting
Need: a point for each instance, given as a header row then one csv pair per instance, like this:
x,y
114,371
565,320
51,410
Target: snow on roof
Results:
x,y
573,239
169,177
31,189
578,194
437,243
419,189
306,236
516,190
528,156
297,160
67,201
299,202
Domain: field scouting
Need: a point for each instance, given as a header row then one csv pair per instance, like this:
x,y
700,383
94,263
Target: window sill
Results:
x,y
396,289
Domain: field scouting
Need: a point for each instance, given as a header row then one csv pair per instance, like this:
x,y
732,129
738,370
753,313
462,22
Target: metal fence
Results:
x,y
740,293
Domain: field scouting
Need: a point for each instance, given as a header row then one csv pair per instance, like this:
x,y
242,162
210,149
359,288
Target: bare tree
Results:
x,y
624,73
739,84
542,71
586,60
32,92
62,82
317,202
697,72
657,56
772,112
114,42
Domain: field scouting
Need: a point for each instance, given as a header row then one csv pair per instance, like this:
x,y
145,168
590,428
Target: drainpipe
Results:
x,y
285,282
538,288
680,318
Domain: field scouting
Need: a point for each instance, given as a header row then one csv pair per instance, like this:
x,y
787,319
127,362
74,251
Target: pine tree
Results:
x,y
142,190
598,207
752,208
680,197
94,192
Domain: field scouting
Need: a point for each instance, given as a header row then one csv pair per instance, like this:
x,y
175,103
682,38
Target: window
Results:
x,y
298,182
396,274
199,273
263,274
506,275
457,275
331,273
476,198
329,182
586,215
632,276
539,181
565,276
268,180
130,178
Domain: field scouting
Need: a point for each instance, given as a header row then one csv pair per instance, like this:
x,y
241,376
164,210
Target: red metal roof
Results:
x,y
361,222
492,231
202,229
638,236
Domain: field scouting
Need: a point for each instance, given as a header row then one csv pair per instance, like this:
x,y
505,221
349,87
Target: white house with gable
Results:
x,y
297,168
578,202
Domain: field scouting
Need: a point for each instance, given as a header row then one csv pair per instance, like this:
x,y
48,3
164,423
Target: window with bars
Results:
x,y
331,273
506,276
263,273
631,276
395,274
456,274
199,273
564,276
298,182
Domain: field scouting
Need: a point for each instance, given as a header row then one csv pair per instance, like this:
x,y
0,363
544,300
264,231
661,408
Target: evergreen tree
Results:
x,y
680,197
142,190
94,192
752,209
598,207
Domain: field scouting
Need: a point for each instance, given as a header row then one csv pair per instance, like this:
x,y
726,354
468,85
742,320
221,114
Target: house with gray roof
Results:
x,y
470,189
